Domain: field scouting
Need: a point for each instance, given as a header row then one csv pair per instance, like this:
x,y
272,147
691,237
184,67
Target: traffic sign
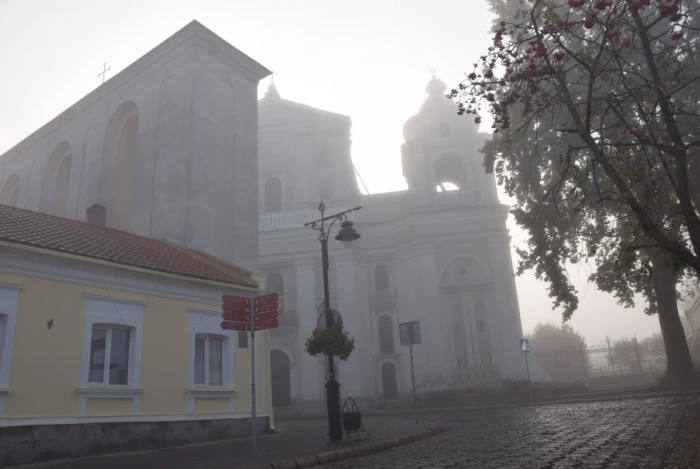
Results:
x,y
409,333
525,345
236,300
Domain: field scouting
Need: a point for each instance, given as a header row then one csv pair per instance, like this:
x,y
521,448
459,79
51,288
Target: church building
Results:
x,y
177,147
437,253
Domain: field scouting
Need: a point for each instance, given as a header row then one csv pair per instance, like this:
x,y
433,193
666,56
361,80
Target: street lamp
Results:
x,y
347,235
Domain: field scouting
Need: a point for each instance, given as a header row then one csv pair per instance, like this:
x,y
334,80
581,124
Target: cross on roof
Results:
x,y
105,67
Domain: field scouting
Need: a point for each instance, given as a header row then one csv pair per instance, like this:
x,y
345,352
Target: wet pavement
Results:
x,y
647,433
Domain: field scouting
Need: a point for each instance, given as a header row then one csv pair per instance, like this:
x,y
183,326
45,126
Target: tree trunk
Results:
x,y
680,365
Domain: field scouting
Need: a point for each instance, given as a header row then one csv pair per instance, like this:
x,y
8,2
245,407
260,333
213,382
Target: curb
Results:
x,y
350,452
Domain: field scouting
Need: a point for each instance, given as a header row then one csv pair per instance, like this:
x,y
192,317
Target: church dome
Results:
x,y
437,116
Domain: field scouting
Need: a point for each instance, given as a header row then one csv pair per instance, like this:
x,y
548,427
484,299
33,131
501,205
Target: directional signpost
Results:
x,y
410,334
242,313
525,349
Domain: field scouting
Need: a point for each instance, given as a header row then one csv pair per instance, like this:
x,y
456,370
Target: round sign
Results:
x,y
335,318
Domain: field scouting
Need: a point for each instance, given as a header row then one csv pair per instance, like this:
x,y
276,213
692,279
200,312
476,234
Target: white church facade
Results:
x,y
438,253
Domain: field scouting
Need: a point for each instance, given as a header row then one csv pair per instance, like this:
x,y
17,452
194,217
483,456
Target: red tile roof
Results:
x,y
82,239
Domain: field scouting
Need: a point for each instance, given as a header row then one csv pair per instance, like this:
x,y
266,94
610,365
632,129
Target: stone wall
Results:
x,y
35,443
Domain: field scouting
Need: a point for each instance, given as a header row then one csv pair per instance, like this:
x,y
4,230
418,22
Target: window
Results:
x,y
273,195
208,361
325,193
275,283
381,278
242,339
109,356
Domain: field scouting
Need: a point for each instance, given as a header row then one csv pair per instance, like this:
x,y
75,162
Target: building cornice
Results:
x,y
37,265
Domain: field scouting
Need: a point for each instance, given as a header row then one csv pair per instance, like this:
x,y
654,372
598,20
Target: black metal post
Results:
x,y
335,432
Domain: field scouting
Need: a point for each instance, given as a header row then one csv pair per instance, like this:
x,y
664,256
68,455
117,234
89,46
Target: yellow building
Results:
x,y
101,326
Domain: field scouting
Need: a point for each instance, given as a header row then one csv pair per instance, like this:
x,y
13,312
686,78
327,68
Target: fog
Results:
x,y
369,60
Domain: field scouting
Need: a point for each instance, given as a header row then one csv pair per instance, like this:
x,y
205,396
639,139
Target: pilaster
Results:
x,y
307,366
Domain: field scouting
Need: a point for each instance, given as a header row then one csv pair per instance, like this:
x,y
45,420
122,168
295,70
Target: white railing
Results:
x,y
274,221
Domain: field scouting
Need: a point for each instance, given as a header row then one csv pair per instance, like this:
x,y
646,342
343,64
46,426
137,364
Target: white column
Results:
x,y
307,366
355,320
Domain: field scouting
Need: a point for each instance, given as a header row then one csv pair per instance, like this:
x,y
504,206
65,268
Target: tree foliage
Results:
x,y
596,109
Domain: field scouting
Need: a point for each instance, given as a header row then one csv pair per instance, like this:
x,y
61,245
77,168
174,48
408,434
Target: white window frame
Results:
x,y
108,351
208,323
104,312
9,304
207,338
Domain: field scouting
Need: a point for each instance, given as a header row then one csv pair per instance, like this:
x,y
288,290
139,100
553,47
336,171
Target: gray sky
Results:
x,y
369,59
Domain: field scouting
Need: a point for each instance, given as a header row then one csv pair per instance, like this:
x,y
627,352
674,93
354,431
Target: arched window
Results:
x,y
273,195
124,174
274,283
386,334
325,192
56,182
322,158
9,194
381,279
450,174
118,166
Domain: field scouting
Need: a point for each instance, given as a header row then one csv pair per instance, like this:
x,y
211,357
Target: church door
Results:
x,y
389,381
281,384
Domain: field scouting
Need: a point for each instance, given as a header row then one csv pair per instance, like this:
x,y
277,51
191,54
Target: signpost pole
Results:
x,y
413,382
529,388
252,361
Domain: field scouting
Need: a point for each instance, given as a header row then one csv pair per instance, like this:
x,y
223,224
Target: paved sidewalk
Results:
x,y
292,439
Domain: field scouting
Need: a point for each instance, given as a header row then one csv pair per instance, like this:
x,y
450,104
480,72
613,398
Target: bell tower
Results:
x,y
440,153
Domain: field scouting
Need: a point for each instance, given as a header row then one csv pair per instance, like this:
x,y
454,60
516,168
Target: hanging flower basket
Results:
x,y
331,341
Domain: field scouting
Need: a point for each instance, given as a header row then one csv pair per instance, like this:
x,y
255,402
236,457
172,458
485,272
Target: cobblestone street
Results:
x,y
651,433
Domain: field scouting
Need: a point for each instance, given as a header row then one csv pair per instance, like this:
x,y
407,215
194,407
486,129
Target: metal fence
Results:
x,y
570,364
624,357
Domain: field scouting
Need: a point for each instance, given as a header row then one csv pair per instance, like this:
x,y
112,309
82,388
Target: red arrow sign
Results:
x,y
266,308
262,317
267,299
266,325
235,308
236,317
236,300
235,326
245,326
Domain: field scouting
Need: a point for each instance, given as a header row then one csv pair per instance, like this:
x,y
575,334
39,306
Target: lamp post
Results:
x,y
347,235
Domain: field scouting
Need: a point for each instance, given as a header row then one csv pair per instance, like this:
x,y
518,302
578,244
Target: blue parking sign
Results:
x,y
525,345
